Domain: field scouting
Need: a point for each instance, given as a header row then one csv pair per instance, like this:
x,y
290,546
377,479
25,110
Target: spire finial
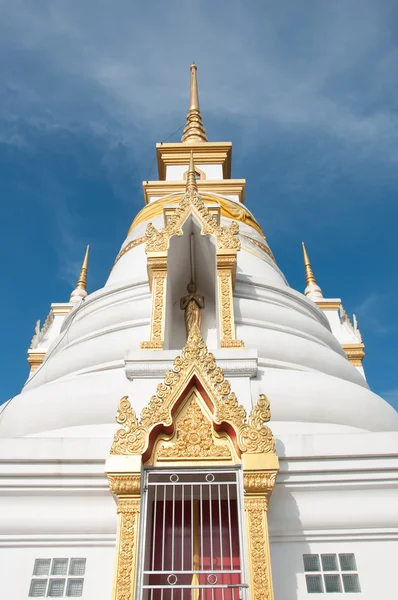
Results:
x,y
194,131
191,183
80,292
312,289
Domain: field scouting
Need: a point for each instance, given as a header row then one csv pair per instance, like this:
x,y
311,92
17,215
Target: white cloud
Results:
x,y
324,67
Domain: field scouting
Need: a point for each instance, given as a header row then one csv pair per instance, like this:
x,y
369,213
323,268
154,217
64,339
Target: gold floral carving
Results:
x,y
260,576
195,359
191,201
193,438
259,482
131,438
226,269
355,353
124,484
129,511
159,280
254,436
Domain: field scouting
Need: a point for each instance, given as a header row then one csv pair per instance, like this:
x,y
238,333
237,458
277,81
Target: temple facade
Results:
x,y
197,429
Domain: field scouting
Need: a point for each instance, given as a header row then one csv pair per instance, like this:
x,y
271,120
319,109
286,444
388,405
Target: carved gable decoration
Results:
x,y
191,202
197,364
194,437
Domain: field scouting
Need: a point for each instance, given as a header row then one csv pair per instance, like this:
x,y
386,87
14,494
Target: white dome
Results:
x,y
302,368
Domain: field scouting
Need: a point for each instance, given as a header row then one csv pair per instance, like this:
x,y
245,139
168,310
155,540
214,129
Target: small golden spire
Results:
x,y
194,131
82,281
80,291
191,183
312,288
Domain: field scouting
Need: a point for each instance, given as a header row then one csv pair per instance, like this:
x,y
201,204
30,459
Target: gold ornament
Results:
x,y
254,436
193,438
261,586
191,201
129,511
195,359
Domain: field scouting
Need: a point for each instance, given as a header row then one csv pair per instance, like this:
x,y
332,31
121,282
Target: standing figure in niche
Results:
x,y
192,305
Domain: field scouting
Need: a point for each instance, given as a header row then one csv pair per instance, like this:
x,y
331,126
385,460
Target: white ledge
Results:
x,y
153,364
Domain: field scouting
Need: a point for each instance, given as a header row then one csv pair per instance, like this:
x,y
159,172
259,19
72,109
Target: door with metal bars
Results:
x,y
192,536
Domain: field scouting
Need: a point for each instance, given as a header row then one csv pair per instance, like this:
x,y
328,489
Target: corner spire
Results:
x,y
194,131
312,289
80,292
191,184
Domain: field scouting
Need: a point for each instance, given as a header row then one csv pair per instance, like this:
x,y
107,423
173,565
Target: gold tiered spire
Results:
x,y
194,131
80,291
312,288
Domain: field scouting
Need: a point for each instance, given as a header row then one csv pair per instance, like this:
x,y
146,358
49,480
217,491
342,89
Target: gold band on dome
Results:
x,y
229,209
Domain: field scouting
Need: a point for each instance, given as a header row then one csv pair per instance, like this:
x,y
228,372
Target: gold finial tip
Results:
x,y
193,67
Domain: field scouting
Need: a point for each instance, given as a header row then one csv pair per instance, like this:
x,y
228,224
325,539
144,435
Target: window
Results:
x,y
331,573
191,536
57,578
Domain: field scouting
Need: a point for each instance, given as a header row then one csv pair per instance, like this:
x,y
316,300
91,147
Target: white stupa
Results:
x,y
332,520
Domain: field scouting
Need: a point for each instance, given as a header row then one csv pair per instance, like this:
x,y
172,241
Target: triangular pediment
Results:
x,y
195,368
192,203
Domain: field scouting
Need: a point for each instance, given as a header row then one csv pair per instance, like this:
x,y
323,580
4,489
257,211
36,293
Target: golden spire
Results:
x,y
80,291
312,288
194,131
82,281
191,183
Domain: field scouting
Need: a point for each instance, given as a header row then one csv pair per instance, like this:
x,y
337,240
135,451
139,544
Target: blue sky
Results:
x,y
306,91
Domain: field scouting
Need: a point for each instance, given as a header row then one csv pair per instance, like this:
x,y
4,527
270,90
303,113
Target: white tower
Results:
x,y
333,516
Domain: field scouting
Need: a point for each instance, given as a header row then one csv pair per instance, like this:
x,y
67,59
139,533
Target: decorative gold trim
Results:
x,y
222,187
226,273
258,486
195,362
211,153
259,482
61,310
158,241
258,549
193,438
260,245
128,247
229,209
328,304
128,510
124,484
255,437
168,212
355,353
35,359
157,274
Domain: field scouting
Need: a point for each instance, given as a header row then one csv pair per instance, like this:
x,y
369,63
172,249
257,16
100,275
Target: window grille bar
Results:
x,y
163,530
211,528
201,527
229,527
182,526
173,527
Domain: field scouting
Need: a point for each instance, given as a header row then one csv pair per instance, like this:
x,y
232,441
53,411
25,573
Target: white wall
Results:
x,y
16,568
376,563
